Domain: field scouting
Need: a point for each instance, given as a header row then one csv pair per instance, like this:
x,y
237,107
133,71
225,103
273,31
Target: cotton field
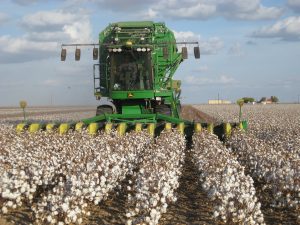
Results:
x,y
250,178
269,150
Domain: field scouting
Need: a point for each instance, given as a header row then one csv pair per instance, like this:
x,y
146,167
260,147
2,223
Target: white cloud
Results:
x,y
294,5
186,36
205,9
247,10
204,81
236,49
211,46
70,26
45,31
3,18
190,10
21,45
200,69
24,2
207,46
287,29
128,5
51,82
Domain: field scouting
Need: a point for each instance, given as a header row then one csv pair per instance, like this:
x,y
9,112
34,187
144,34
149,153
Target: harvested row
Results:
x,y
273,166
225,182
154,184
59,175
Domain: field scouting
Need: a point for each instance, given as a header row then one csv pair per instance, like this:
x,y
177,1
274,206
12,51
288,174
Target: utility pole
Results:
x,y
298,99
218,98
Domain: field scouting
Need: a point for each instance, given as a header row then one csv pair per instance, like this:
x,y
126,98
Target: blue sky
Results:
x,y
248,47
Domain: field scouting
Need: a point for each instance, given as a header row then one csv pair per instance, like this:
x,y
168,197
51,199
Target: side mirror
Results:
x,y
95,53
165,52
184,52
197,52
63,54
77,54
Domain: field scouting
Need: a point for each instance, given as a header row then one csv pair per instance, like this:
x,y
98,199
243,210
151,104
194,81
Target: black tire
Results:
x,y
101,109
197,52
184,52
163,109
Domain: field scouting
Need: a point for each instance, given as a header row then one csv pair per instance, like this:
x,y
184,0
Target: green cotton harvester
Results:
x,y
137,62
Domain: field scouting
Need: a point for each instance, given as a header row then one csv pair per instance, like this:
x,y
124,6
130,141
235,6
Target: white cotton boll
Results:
x,y
153,213
96,201
74,218
18,200
216,214
23,189
9,203
22,173
67,220
65,207
49,218
148,219
4,210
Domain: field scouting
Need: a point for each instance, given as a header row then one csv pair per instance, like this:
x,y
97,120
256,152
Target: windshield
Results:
x,y
131,71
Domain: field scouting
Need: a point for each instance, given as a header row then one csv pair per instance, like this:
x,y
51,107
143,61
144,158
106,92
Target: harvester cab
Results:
x,y
137,62
135,69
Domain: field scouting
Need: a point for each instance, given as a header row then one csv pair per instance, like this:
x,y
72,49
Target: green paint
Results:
x,y
133,66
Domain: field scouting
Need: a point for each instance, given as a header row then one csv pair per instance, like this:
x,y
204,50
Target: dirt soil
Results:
x,y
192,207
188,112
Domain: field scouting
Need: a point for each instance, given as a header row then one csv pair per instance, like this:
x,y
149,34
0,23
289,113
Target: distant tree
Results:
x,y
274,99
263,99
248,99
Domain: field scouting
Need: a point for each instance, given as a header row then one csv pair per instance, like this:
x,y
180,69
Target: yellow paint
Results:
x,y
129,43
241,126
121,129
168,126
79,126
151,129
93,128
34,127
227,129
108,128
198,128
180,128
210,128
63,128
50,126
138,127
20,127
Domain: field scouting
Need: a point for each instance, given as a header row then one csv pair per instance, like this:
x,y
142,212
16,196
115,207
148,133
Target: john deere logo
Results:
x,y
130,95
